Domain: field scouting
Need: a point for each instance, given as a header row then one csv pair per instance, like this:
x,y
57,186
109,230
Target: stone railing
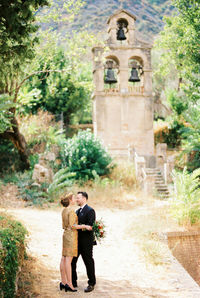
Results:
x,y
140,164
129,90
136,89
112,90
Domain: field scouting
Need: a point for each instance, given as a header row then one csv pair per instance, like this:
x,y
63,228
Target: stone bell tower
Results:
x,y
123,105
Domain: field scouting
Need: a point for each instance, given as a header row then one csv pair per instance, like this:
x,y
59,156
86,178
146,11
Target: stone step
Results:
x,y
164,193
164,197
160,186
159,181
153,172
162,190
152,169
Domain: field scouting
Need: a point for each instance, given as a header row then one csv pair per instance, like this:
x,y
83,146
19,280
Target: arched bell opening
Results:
x,y
135,65
122,30
111,68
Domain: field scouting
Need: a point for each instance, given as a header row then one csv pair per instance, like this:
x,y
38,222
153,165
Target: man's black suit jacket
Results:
x,y
87,217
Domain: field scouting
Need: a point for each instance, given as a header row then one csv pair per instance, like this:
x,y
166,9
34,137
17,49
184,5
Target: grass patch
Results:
x,y
119,189
148,229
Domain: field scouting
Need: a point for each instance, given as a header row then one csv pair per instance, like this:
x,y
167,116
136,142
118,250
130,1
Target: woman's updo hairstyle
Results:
x,y
65,199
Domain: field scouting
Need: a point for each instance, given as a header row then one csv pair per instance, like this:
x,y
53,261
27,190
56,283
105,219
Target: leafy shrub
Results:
x,y
34,159
191,134
5,115
32,194
9,158
124,173
177,103
193,161
12,240
186,200
84,154
171,134
40,128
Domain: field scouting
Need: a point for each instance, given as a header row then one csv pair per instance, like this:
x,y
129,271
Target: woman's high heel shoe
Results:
x,y
62,286
67,288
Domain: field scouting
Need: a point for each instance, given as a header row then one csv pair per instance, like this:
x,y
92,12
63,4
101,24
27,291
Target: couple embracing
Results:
x,y
77,240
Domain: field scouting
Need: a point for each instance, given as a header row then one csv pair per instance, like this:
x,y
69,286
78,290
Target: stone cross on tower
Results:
x,y
121,3
123,105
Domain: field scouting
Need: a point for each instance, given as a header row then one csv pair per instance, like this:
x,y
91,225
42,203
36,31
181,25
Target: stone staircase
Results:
x,y
161,188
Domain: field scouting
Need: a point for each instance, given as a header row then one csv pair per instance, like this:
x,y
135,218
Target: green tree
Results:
x,y
180,46
16,50
56,91
5,114
63,77
180,41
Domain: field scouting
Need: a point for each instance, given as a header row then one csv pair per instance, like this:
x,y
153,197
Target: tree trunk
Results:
x,y
180,80
66,123
19,142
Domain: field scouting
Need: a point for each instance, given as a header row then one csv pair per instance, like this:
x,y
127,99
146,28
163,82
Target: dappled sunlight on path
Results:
x,y
120,267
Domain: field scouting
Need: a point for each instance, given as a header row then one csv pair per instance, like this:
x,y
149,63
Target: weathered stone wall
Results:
x,y
123,121
185,247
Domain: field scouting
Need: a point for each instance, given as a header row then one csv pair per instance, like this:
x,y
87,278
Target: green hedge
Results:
x,y
12,250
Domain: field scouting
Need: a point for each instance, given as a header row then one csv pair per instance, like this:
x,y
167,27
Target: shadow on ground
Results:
x,y
45,283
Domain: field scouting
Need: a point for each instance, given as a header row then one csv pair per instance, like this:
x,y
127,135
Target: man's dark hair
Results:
x,y
84,194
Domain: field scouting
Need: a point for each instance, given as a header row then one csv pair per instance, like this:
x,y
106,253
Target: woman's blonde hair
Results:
x,y
66,198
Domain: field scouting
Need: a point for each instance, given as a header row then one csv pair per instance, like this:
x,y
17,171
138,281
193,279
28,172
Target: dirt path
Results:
x,y
120,268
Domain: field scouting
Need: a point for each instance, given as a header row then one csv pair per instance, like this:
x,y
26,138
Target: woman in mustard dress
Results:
x,y
70,241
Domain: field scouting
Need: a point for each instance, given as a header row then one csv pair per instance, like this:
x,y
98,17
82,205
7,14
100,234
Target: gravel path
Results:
x,y
120,267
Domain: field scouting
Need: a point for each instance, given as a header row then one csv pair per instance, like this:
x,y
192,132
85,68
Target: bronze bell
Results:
x,y
110,77
134,76
121,34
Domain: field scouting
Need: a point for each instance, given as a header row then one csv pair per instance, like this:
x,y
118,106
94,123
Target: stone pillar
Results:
x,y
112,35
98,69
131,35
147,81
149,185
139,165
161,156
99,79
123,80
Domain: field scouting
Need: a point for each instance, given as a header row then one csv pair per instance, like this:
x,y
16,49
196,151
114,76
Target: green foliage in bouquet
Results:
x,y
98,229
186,200
85,156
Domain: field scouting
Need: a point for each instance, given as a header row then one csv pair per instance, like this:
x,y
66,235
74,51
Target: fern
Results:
x,y
62,179
186,199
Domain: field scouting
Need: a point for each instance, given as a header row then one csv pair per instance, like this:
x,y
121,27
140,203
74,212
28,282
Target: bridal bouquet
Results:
x,y
99,229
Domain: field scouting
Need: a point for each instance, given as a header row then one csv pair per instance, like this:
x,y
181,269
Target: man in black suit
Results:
x,y
86,216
